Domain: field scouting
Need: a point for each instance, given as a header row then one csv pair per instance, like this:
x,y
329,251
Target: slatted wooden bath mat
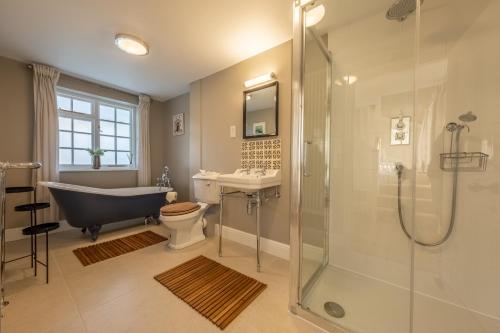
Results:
x,y
116,247
217,292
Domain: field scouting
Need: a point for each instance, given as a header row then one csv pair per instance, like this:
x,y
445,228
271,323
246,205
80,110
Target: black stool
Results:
x,y
35,230
32,208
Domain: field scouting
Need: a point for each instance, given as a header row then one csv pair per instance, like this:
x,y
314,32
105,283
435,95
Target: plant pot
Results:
x,y
96,162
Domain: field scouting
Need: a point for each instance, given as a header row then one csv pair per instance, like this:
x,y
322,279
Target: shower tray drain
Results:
x,y
334,309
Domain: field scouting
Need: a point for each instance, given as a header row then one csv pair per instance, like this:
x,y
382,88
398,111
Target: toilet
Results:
x,y
185,220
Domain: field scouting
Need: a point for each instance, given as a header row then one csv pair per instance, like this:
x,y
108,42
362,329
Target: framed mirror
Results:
x,y
260,111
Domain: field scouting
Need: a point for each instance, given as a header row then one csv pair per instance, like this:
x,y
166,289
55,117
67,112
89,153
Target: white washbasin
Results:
x,y
253,179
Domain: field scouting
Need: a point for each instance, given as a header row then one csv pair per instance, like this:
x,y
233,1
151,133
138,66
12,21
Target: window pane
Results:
x,y
65,139
63,103
123,130
65,156
123,116
108,158
84,126
65,123
122,158
82,106
122,144
82,140
106,112
107,142
81,157
107,128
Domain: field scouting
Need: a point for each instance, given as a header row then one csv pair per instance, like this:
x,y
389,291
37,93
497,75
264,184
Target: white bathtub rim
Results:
x,y
118,192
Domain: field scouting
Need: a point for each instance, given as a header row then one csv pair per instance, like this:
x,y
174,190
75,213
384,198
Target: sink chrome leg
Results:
x,y
220,218
257,213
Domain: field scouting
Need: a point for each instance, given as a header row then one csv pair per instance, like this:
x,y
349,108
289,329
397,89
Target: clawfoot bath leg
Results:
x,y
156,218
151,219
94,231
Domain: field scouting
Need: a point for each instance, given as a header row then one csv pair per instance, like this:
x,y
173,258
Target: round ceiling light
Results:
x,y
131,44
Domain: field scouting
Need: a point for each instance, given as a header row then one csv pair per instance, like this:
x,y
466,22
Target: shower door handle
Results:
x,y
305,160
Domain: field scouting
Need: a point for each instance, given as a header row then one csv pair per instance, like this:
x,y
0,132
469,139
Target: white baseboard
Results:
x,y
270,246
14,234
266,245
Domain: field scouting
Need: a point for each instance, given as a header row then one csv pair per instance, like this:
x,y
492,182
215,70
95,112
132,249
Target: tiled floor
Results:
x,y
120,294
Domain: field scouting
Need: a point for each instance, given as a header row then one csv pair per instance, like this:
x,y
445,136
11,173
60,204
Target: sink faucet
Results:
x,y
164,179
247,170
262,171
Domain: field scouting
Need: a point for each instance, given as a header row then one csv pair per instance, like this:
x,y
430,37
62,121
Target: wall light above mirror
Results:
x,y
260,111
260,80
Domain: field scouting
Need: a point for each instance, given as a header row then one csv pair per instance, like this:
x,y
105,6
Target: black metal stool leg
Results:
x,y
47,257
36,259
31,238
35,223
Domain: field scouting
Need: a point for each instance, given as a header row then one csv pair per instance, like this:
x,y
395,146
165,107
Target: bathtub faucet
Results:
x,y
164,179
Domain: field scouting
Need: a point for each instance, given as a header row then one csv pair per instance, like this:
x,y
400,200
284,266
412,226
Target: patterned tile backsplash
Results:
x,y
261,154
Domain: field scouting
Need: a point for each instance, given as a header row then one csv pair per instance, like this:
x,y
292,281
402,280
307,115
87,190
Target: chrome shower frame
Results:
x,y
297,151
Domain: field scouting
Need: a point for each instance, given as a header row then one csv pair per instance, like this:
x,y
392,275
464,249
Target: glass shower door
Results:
x,y
355,262
315,159
456,282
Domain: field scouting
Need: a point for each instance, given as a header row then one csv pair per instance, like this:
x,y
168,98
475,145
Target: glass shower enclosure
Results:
x,y
395,186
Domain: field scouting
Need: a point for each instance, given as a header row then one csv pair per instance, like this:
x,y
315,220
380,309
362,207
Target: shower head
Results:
x,y
401,9
467,117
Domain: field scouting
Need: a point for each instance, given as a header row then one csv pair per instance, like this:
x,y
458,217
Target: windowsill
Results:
x,y
104,169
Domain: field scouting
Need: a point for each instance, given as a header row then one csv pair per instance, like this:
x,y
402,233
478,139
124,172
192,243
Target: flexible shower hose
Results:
x,y
399,169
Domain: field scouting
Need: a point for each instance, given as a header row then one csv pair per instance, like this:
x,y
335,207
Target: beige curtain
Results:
x,y
144,173
45,133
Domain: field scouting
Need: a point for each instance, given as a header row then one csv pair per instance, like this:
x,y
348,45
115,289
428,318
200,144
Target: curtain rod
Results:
x,y
30,66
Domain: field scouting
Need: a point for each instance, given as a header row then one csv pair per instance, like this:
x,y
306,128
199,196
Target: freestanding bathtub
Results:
x,y
89,208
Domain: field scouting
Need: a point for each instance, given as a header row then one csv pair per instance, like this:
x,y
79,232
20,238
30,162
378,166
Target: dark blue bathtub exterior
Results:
x,y
90,211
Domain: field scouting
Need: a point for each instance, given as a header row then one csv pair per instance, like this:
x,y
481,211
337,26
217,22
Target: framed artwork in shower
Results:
x,y
178,124
400,130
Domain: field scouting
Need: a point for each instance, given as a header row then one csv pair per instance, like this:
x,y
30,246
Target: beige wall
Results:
x,y
157,139
16,128
176,148
220,106
194,132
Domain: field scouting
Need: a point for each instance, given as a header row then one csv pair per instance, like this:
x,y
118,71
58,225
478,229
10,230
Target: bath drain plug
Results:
x,y
334,309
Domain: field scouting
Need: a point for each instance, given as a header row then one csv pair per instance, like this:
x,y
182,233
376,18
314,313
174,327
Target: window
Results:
x,y
91,122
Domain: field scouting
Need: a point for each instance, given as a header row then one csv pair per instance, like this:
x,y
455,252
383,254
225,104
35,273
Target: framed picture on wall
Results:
x,y
400,130
178,124
259,128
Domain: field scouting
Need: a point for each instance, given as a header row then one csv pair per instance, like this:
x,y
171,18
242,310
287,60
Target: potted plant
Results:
x,y
96,157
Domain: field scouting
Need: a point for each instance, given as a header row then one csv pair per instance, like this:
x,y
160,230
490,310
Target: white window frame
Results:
x,y
96,101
